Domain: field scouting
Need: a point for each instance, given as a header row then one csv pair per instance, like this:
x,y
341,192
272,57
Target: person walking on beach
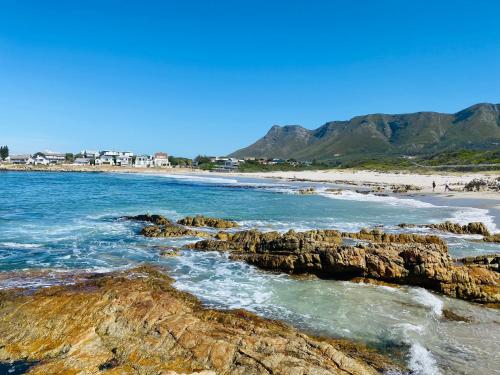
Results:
x,y
433,185
446,187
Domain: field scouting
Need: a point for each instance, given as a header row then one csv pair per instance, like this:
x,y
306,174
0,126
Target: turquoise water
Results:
x,y
69,221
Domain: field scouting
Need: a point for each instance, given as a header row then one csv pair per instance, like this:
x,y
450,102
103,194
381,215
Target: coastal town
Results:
x,y
116,158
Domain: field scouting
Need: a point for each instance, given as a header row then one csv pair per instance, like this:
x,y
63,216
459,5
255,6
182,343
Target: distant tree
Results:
x,y
39,154
202,159
4,152
69,157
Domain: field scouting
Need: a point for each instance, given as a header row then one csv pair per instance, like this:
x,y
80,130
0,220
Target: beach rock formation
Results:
x,y
135,322
492,238
479,184
307,191
397,258
471,228
448,226
171,230
490,261
154,219
203,221
404,188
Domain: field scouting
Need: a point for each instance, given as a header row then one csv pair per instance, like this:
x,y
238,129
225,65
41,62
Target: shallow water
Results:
x,y
67,221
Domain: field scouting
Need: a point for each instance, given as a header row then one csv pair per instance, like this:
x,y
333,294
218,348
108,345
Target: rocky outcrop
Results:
x,y
154,219
479,184
203,221
135,322
490,261
450,227
171,230
404,188
397,258
307,191
492,238
471,228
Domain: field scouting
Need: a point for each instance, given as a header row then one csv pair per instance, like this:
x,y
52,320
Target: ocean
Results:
x,y
65,223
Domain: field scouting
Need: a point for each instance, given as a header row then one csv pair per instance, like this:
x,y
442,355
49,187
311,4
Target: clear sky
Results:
x,y
208,77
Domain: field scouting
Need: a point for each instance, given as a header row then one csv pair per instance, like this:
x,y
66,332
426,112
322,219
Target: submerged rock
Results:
x,y
397,258
203,221
135,322
307,191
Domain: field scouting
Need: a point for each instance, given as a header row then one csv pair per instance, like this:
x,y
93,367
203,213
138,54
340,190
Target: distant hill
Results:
x,y
413,134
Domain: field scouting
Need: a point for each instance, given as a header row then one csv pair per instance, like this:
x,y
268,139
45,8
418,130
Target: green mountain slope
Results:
x,y
421,133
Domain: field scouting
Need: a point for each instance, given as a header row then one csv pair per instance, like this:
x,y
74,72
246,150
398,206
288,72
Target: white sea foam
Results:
x,y
192,178
467,215
391,200
426,298
17,245
421,361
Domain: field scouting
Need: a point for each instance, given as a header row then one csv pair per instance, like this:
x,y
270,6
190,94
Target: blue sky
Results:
x,y
191,77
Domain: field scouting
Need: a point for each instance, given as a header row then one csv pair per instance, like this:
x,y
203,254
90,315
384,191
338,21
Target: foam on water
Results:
x,y
428,299
390,200
469,214
18,245
421,361
196,178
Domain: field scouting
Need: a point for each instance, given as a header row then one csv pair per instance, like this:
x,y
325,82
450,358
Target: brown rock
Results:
x,y
492,238
135,322
397,258
448,226
307,191
471,228
155,219
203,221
171,230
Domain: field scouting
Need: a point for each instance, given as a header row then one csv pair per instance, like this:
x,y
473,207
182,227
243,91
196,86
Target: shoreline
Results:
x,y
349,179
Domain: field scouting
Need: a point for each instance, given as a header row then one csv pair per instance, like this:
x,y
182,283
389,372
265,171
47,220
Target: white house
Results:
x,y
38,160
82,161
123,160
19,159
55,157
161,160
89,154
143,161
105,160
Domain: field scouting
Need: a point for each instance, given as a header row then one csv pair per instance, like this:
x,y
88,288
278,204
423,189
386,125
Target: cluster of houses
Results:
x,y
86,157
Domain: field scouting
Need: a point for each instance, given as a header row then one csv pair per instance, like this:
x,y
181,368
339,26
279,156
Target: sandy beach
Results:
x,y
348,177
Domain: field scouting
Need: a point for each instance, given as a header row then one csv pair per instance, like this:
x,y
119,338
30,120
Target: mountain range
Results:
x,y
411,134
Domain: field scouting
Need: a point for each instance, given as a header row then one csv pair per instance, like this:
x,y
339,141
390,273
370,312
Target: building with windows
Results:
x,y
161,160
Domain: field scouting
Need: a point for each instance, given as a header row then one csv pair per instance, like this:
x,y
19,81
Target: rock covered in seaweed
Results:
x,y
204,221
135,322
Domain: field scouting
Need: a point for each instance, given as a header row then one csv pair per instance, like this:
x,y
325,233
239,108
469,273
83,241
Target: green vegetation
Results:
x,y
464,157
181,162
380,139
204,162
69,157
289,165
4,152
